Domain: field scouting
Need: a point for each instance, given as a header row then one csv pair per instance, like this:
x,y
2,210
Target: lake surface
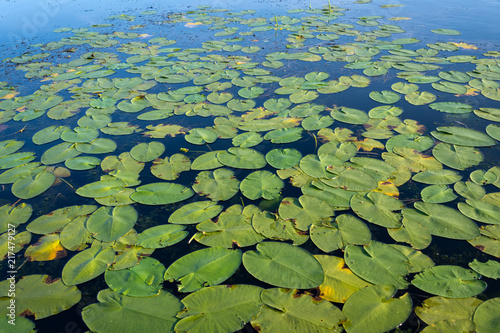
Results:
x,y
345,151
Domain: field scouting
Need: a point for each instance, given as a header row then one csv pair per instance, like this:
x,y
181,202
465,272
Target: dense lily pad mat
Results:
x,y
162,168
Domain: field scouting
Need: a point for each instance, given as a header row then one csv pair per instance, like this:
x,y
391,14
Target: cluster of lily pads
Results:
x,y
319,257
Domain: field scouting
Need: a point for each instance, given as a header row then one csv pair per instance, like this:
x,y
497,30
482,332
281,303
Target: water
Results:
x,y
32,23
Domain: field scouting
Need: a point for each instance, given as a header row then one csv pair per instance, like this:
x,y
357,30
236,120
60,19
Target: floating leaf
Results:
x,y
39,296
420,98
490,269
242,158
457,157
219,309
141,280
30,186
386,263
87,265
261,184
463,136
161,193
161,236
378,208
146,152
283,265
283,158
304,211
373,309
220,184
115,311
288,310
108,224
202,268
449,281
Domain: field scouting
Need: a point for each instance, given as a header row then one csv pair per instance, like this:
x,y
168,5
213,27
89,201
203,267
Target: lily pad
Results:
x,y
108,224
202,268
261,184
449,281
161,193
30,186
463,137
220,184
242,158
87,265
283,265
146,152
374,309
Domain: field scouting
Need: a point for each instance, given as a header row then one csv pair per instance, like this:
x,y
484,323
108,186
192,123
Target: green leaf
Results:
x,y
420,98
487,316
449,281
436,309
101,188
242,158
437,177
141,280
304,211
207,161
261,184
450,32
442,221
437,194
349,115
220,184
161,193
146,152
378,208
38,295
463,137
284,135
202,268
30,186
161,236
170,167
373,309
480,210
283,158
385,96
387,265
490,269
115,311
195,212
283,265
346,229
108,224
87,265
451,107
288,310
219,309
233,227
457,157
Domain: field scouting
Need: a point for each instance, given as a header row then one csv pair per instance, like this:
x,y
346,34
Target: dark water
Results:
x,y
24,23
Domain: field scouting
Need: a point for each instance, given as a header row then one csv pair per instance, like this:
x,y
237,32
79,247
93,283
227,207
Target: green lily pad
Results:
x,y
437,177
486,315
39,295
161,236
378,208
284,135
437,308
493,131
200,136
80,134
283,265
346,229
283,158
207,161
451,107
437,194
202,268
141,280
108,224
276,228
219,309
449,281
277,105
442,221
374,309
115,311
349,116
82,163
420,98
48,134
161,193
305,211
490,269
261,184
480,210
87,265
170,167
450,32
242,158
386,263
195,212
247,139
457,157
385,96
30,186
288,311
146,152
463,137
101,189
220,184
